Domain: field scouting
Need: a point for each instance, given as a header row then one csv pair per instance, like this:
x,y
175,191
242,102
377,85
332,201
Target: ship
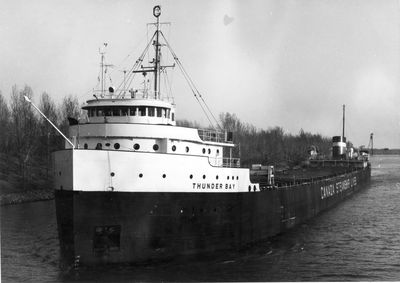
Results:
x,y
132,186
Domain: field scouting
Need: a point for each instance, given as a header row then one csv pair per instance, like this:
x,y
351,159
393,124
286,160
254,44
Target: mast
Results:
x,y
157,13
371,141
344,106
102,73
103,67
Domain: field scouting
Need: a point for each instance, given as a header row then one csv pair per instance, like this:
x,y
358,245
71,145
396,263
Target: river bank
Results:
x,y
26,196
15,193
27,184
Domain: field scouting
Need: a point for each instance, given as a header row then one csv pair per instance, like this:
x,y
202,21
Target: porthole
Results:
x,y
233,177
173,148
187,149
237,177
209,151
112,174
204,176
136,146
227,178
155,147
164,175
85,146
116,145
216,177
217,151
108,144
140,175
191,176
204,150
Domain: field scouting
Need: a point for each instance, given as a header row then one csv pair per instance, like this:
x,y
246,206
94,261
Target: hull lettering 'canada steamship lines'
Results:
x,y
132,186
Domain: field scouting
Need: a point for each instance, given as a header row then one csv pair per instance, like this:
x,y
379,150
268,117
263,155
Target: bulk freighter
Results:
x,y
132,186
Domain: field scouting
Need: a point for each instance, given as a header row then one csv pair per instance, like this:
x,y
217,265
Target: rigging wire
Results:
x,y
126,57
190,82
130,74
127,81
168,85
195,91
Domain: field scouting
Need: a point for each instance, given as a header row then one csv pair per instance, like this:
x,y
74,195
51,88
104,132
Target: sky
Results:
x,y
291,64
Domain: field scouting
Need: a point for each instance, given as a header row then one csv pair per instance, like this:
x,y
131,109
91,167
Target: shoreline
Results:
x,y
32,195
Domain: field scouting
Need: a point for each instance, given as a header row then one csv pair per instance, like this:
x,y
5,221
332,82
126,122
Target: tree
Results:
x,y
188,124
24,128
48,138
4,125
69,108
271,146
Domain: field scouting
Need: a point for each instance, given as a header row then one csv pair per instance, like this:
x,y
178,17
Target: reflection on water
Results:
x,y
356,240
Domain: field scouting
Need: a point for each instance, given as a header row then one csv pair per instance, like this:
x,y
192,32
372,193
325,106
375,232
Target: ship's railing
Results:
x,y
231,162
133,94
339,163
213,135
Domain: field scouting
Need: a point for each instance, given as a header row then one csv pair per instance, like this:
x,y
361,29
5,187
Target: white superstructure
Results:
x,y
129,142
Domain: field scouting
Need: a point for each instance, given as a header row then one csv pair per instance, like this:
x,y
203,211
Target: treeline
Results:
x,y
26,138
272,146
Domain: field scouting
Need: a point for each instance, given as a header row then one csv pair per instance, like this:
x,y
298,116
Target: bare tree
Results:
x,y
272,146
69,108
24,129
4,125
48,139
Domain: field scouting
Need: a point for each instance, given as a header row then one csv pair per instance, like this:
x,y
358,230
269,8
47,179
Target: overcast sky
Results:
x,y
272,63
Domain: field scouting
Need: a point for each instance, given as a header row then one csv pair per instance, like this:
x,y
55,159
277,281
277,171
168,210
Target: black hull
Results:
x,y
115,227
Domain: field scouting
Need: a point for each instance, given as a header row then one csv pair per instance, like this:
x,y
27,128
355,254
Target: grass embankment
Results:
x,y
19,185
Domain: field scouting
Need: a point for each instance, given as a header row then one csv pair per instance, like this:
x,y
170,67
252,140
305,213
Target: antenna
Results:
x,y
103,67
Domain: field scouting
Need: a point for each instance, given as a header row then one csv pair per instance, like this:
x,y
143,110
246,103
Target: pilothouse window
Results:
x,y
116,111
151,111
92,112
142,111
124,111
159,111
131,111
108,111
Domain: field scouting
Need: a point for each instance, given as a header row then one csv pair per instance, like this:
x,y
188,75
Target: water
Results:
x,y
358,240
